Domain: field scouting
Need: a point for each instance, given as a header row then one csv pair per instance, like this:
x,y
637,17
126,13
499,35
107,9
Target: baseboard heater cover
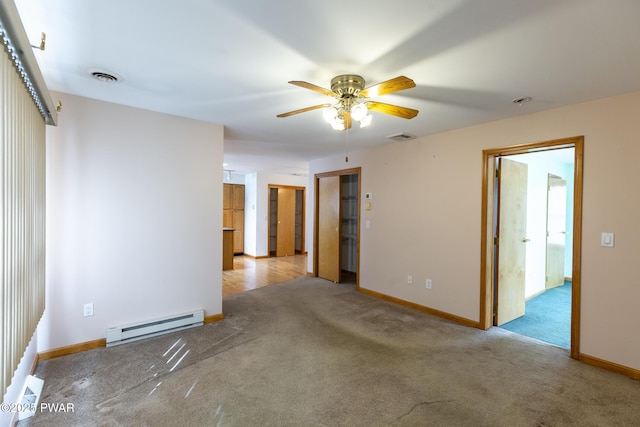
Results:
x,y
137,331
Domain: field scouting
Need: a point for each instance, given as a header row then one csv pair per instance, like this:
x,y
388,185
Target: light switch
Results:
x,y
607,240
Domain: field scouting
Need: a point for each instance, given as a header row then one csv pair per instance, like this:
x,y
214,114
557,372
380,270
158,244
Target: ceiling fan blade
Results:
x,y
347,120
390,86
303,110
394,110
313,87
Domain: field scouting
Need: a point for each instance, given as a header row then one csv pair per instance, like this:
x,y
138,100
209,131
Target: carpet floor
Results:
x,y
547,317
309,352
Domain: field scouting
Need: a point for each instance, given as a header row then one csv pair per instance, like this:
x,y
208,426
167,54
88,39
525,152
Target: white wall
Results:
x,y
426,211
250,214
134,214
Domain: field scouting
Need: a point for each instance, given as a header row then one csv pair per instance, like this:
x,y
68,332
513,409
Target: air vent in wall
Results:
x,y
105,76
401,137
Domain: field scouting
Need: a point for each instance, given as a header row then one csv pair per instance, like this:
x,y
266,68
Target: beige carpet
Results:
x,y
312,353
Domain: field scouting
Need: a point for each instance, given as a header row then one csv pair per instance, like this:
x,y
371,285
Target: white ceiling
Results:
x,y
228,62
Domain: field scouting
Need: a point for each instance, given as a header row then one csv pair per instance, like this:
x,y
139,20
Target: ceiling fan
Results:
x,y
352,100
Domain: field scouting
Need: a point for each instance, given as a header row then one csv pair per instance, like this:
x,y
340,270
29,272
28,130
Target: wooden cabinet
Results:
x,y
233,214
227,248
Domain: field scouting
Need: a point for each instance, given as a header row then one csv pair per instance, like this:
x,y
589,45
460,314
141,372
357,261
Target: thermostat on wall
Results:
x,y
368,196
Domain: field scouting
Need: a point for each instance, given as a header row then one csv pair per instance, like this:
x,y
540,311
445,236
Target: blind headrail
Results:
x,y
14,36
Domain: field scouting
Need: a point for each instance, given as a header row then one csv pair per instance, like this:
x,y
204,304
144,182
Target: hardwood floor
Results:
x,y
250,273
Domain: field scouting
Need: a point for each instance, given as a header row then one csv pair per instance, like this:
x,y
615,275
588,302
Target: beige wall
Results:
x,y
134,214
426,207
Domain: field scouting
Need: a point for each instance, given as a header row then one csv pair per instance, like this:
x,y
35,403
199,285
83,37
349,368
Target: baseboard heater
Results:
x,y
137,331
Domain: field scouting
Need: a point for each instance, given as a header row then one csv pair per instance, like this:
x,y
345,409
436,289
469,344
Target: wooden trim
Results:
x,y
486,256
71,349
556,144
486,242
213,318
452,317
610,366
293,187
352,171
576,271
34,365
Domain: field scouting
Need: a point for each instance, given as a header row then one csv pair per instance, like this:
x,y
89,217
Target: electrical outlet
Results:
x,y
409,279
428,284
88,309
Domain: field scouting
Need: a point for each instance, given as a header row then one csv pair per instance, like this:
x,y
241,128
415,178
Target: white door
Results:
x,y
556,230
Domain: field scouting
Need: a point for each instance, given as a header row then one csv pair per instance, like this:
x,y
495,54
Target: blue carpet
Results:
x,y
547,317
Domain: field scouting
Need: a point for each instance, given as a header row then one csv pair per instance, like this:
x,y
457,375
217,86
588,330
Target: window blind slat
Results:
x,y
22,206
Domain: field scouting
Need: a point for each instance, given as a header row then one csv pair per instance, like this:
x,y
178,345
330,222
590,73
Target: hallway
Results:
x,y
251,273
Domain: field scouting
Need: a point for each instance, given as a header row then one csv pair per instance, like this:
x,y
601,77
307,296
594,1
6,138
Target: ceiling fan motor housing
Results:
x,y
347,85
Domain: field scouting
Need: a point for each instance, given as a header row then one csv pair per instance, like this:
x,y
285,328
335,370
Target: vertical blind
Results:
x,y
22,206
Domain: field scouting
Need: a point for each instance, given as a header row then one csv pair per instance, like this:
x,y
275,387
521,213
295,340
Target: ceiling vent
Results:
x,y
105,76
401,137
522,100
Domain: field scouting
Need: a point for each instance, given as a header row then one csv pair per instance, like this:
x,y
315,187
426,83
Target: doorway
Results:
x,y
286,220
337,226
491,242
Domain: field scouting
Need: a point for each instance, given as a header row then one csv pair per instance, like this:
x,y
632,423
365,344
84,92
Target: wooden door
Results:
x,y
286,222
556,230
233,214
511,248
329,228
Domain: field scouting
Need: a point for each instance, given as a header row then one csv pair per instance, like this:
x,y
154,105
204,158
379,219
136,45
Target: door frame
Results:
x,y
487,259
304,198
316,181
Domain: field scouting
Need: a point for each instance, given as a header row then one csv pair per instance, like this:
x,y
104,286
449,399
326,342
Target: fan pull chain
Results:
x,y
346,154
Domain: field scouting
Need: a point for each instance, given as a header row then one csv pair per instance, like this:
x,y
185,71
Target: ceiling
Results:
x,y
228,62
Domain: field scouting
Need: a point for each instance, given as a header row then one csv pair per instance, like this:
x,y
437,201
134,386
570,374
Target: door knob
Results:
x,y
525,240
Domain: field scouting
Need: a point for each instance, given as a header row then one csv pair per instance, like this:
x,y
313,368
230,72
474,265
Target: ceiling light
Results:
x,y
337,123
330,114
334,115
359,112
366,121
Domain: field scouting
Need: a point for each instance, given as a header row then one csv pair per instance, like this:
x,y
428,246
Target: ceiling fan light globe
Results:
x,y
366,121
359,112
329,114
337,124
